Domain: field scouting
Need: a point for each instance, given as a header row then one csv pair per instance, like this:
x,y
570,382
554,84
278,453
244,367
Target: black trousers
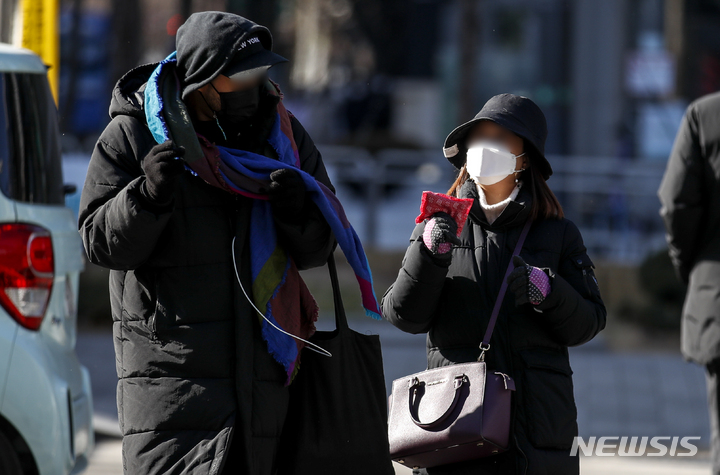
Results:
x,y
712,375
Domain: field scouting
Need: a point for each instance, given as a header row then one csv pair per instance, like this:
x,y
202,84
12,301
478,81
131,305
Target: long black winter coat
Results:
x,y
453,305
193,370
690,196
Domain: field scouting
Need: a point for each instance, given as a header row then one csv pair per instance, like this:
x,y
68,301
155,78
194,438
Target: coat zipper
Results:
x,y
508,337
509,342
517,444
232,214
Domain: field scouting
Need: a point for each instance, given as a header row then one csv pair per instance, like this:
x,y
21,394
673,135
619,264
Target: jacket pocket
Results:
x,y
139,302
157,318
152,319
583,263
150,282
548,398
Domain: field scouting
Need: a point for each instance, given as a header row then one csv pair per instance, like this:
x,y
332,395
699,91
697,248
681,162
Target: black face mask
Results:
x,y
239,106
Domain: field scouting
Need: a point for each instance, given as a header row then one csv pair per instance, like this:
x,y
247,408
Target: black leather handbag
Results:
x,y
453,413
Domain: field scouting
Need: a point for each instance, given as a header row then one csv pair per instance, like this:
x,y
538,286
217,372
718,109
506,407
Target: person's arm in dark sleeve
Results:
x,y
681,196
411,301
118,224
308,239
574,310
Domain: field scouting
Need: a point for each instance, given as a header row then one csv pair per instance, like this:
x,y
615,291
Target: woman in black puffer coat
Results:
x,y
447,286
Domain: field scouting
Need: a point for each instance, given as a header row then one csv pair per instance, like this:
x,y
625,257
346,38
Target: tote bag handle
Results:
x,y
341,322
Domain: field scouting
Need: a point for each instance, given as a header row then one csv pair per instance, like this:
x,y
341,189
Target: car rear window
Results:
x,y
30,163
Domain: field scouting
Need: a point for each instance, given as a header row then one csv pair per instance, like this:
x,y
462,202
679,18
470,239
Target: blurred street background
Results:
x,y
379,84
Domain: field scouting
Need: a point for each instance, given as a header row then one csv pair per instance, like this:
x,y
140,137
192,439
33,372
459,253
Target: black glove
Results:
x,y
440,233
530,284
287,194
162,167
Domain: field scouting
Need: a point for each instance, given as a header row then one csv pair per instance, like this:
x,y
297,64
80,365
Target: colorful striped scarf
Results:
x,y
277,288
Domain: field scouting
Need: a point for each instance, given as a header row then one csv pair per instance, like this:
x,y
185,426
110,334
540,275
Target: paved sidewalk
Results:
x,y
626,466
639,394
643,466
106,461
617,394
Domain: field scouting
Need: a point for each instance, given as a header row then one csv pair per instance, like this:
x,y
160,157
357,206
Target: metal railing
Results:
x,y
613,201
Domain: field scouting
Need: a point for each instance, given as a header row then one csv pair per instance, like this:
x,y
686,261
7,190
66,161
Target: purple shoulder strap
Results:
x,y
485,345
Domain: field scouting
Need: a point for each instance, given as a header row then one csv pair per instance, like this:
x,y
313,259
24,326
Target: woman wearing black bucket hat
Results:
x,y
448,285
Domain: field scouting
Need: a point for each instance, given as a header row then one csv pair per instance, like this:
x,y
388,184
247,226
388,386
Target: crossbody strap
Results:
x,y
485,345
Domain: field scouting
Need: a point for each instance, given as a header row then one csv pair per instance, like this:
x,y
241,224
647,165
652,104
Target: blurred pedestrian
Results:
x,y
690,197
203,379
447,286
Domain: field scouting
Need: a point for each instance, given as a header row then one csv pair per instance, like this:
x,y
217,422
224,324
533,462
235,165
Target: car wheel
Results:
x,y
9,461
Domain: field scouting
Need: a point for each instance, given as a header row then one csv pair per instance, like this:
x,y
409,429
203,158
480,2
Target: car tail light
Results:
x,y
26,272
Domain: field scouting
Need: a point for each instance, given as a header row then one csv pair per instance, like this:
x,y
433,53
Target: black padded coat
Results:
x,y
690,196
193,370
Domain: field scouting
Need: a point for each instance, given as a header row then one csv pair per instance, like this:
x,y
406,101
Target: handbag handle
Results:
x,y
340,317
458,382
485,345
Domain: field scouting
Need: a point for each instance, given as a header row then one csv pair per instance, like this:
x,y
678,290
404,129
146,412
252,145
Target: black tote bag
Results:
x,y
337,419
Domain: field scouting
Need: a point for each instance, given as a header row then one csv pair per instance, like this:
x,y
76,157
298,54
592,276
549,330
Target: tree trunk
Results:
x,y
73,64
674,39
185,9
262,12
7,20
468,40
127,43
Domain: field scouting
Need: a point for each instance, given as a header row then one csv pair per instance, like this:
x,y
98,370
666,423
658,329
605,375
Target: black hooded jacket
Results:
x,y
193,369
453,302
690,194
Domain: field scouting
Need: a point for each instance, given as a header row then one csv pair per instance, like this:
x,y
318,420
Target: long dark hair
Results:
x,y
545,204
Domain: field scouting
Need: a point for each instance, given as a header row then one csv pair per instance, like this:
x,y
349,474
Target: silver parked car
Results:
x,y
45,398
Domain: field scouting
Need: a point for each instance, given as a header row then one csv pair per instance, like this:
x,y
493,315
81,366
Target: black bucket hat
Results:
x,y
518,114
213,43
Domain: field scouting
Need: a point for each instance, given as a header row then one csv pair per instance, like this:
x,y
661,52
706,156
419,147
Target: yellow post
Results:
x,y
41,34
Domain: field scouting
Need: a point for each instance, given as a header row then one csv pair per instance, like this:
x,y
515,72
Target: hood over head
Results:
x,y
128,96
213,43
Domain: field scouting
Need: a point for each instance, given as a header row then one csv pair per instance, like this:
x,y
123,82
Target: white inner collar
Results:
x,y
492,212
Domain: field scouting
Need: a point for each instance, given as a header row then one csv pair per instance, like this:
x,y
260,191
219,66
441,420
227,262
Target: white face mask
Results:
x,y
488,163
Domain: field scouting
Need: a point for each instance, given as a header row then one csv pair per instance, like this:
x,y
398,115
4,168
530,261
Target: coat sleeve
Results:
x,y
309,241
119,228
574,309
411,301
681,195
